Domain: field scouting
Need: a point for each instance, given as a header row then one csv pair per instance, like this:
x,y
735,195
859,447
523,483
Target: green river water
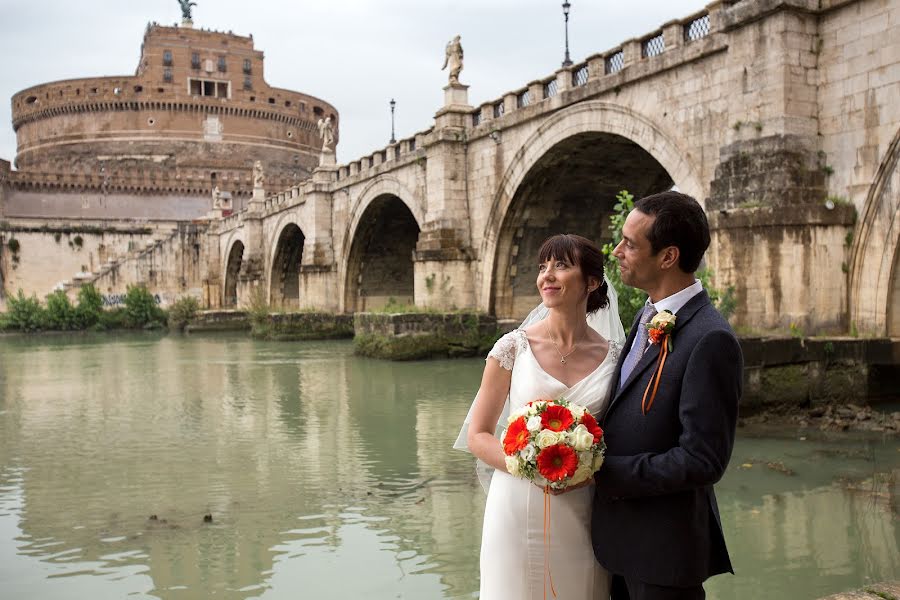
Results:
x,y
331,476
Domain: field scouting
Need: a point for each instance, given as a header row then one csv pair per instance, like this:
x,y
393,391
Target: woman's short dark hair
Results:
x,y
680,222
580,251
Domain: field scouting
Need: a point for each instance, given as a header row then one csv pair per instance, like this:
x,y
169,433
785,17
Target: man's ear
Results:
x,y
669,257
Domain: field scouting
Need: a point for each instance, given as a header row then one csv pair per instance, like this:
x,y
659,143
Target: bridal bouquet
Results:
x,y
553,443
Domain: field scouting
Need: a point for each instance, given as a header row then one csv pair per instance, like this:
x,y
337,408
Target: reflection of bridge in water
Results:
x,y
311,460
759,109
295,457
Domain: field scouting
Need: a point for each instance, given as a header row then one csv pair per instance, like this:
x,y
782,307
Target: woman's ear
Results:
x,y
592,283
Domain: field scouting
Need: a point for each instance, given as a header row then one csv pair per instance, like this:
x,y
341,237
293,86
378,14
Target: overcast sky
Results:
x,y
355,54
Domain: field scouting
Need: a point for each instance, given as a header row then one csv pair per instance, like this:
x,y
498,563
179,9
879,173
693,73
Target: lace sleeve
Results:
x,y
504,351
615,348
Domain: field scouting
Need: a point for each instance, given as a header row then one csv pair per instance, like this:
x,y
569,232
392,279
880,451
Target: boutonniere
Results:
x,y
659,331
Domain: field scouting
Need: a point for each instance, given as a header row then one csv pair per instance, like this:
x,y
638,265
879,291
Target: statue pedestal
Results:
x,y
187,23
258,200
327,158
456,95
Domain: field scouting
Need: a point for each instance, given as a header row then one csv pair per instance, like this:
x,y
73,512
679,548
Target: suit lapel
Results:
x,y
652,354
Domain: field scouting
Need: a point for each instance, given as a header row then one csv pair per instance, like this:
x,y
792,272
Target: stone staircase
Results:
x,y
115,263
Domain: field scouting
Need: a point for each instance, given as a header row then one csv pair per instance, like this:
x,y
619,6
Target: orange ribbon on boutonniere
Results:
x,y
659,331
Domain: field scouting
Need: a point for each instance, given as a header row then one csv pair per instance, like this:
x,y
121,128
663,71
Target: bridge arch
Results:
x,y
564,178
875,263
382,232
284,264
234,258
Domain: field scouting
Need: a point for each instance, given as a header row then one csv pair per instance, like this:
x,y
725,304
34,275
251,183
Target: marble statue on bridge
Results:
x,y
453,57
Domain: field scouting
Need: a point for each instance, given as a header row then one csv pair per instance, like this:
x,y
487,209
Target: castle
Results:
x,y
195,116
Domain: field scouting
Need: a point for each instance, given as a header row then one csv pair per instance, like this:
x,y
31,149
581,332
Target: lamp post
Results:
x,y
393,104
567,62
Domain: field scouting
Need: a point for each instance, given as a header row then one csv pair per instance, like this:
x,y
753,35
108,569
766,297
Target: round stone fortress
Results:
x,y
196,115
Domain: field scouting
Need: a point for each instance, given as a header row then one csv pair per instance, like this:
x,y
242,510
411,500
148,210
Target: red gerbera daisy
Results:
x,y
557,462
591,423
516,437
556,418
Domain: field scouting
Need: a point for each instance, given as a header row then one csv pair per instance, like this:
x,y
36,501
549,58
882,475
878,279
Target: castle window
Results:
x,y
167,58
138,89
195,60
318,111
208,88
222,66
248,85
167,75
271,100
247,66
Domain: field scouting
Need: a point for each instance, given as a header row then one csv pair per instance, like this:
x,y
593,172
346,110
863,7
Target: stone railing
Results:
x,y
612,64
391,154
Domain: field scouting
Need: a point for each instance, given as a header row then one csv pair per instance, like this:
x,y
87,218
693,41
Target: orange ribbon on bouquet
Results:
x,y
547,573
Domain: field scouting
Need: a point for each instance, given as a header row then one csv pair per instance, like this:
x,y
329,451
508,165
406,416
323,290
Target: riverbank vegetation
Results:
x,y
28,315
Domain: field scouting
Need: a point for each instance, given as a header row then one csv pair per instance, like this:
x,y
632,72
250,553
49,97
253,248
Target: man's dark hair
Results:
x,y
681,222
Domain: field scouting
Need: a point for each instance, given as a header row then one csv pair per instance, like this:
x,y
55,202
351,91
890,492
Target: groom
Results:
x,y
656,525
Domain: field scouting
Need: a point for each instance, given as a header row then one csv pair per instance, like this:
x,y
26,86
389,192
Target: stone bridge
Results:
x,y
780,116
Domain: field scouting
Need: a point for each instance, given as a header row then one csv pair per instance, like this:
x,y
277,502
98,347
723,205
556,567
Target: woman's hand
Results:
x,y
570,488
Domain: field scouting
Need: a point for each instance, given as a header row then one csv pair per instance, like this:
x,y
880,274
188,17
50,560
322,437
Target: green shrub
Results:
x,y
60,312
182,311
25,314
13,245
141,309
90,306
631,300
115,318
258,309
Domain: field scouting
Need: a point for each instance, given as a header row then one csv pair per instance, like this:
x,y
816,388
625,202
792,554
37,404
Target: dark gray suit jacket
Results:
x,y
655,516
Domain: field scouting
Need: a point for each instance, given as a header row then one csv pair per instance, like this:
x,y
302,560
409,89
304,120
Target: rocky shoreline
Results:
x,y
829,417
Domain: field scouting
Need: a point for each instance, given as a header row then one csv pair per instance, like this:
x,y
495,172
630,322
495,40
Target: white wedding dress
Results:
x,y
512,542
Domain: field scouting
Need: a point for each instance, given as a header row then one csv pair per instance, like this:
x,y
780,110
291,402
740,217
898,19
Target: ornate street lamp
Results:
x,y
393,104
567,62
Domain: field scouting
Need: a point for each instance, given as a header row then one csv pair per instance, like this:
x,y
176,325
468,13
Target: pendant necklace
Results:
x,y
562,357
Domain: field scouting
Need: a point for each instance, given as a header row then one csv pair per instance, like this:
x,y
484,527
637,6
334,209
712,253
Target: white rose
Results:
x,y
533,424
547,438
577,411
513,466
581,438
663,319
515,415
582,473
528,453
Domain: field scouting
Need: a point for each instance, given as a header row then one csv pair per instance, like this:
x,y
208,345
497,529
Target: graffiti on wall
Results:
x,y
113,300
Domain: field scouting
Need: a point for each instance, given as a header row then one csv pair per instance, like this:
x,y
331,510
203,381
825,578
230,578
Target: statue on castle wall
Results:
x,y
453,57
326,133
186,8
217,197
259,176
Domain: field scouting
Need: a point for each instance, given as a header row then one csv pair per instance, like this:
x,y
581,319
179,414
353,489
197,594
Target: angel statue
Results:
x,y
453,56
186,8
259,176
326,132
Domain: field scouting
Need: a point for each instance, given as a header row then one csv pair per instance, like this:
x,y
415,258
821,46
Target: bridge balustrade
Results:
x,y
653,46
615,62
580,76
696,29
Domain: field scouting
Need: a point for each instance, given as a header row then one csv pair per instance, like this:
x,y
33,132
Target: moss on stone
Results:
x,y
303,326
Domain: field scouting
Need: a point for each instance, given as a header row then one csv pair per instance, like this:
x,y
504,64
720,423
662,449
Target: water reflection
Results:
x,y
331,475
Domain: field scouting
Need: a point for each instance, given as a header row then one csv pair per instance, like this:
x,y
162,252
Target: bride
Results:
x,y
558,352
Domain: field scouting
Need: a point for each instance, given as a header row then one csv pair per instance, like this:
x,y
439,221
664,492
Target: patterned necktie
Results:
x,y
639,346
